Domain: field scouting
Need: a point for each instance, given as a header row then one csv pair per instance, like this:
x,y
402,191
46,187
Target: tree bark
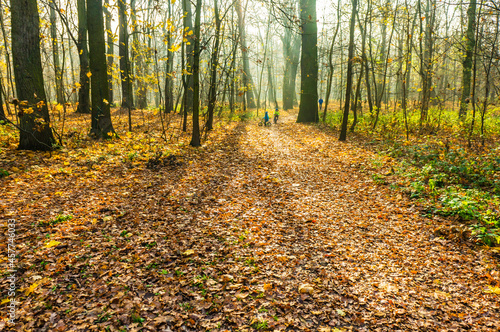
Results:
x,y
214,63
83,51
308,109
138,61
195,138
343,131
55,54
101,125
126,75
247,76
467,63
110,51
169,84
35,131
188,27
330,64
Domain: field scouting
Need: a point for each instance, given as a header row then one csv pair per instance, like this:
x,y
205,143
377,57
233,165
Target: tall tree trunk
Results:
x,y
355,104
138,60
169,84
83,51
111,49
364,65
35,131
126,73
294,66
330,64
2,111
467,62
381,89
188,27
247,76
345,118
55,54
308,109
270,79
101,125
10,87
214,63
195,138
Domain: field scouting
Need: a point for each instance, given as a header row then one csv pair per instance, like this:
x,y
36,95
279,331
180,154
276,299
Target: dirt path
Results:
x,y
224,241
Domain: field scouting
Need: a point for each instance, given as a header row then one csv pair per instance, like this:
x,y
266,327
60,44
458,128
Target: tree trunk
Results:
x,y
55,55
356,101
169,84
343,131
214,63
247,76
101,125
35,131
295,59
126,74
195,138
110,51
330,64
188,27
83,51
138,61
2,111
308,109
467,63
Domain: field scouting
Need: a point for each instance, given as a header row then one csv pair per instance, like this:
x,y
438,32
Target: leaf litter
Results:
x,y
278,229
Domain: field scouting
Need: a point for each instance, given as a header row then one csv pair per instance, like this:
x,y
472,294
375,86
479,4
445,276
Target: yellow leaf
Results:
x,y
188,252
52,243
31,288
5,301
492,290
89,74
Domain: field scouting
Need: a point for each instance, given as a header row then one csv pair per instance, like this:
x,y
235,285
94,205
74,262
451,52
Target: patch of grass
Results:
x,y
59,219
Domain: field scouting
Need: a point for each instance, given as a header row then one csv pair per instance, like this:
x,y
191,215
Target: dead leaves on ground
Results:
x,y
275,228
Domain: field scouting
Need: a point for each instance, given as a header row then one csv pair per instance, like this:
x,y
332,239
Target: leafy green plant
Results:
x,y
3,173
59,219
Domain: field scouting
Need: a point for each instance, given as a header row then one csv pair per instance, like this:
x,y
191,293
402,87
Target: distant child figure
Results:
x,y
276,115
320,101
266,118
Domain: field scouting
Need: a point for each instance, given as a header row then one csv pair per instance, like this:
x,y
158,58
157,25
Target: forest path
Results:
x,y
221,238
320,219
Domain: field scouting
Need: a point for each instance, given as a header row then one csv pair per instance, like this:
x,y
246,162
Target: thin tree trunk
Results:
x,y
467,62
195,138
345,118
247,76
125,70
83,51
110,50
55,54
330,64
214,63
188,27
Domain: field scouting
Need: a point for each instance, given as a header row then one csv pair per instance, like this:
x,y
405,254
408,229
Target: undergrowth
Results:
x,y
437,166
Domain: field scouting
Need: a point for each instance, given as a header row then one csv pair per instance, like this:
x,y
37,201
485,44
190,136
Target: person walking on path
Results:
x,y
320,101
266,118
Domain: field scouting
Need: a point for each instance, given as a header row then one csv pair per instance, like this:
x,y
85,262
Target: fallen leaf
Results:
x,y
52,243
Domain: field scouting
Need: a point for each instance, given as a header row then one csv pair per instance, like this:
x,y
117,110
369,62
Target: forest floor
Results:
x,y
279,229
